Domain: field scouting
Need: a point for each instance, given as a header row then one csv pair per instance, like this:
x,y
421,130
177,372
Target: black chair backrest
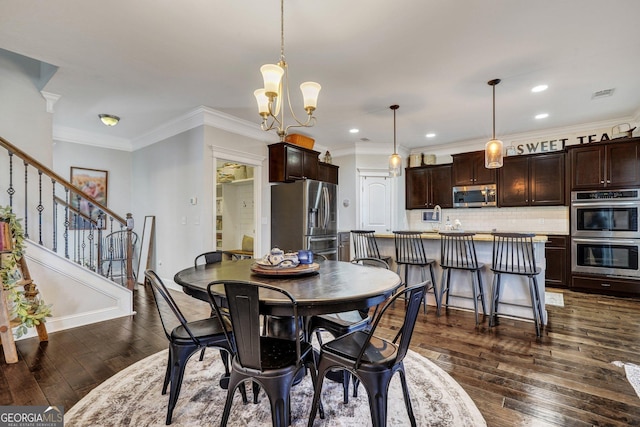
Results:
x,y
364,244
114,245
514,253
413,295
457,250
409,248
243,301
209,258
170,315
372,262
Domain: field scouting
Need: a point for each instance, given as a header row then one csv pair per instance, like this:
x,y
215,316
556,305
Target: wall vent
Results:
x,y
602,93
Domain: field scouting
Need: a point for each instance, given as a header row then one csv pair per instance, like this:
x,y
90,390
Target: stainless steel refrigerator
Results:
x,y
304,216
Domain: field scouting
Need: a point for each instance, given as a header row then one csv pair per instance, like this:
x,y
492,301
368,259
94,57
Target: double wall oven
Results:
x,y
605,233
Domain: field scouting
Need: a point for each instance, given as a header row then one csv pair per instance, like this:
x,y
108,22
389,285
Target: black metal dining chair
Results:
x,y
271,362
373,359
211,257
185,338
338,324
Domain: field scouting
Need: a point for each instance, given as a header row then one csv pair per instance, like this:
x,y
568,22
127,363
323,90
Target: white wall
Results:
x,y
167,174
116,162
24,121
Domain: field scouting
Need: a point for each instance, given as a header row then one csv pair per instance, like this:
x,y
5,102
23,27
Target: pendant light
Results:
x,y
395,161
493,148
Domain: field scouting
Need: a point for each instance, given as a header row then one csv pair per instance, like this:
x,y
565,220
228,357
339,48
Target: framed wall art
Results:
x,y
93,183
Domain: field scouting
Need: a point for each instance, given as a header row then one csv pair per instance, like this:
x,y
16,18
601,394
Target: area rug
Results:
x,y
633,374
132,398
554,298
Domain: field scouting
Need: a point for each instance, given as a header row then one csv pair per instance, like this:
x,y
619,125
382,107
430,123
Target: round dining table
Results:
x,y
336,286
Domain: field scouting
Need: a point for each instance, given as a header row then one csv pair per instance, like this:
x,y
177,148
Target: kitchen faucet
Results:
x,y
437,210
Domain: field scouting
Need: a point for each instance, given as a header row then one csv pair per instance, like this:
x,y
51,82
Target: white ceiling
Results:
x,y
150,61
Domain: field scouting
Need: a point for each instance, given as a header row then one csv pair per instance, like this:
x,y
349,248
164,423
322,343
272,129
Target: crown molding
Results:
x,y
201,116
51,99
76,136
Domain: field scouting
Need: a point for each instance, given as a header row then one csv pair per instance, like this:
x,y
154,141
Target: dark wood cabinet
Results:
x,y
557,257
599,165
288,162
468,169
428,186
534,180
327,172
344,246
605,285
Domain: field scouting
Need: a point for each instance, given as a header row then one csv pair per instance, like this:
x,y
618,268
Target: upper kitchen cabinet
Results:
x,y
428,186
328,172
534,180
605,164
288,163
468,169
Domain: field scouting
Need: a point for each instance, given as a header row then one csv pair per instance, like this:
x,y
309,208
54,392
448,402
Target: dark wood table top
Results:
x,y
338,286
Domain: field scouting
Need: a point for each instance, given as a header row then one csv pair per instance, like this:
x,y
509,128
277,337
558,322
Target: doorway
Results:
x,y
375,203
235,226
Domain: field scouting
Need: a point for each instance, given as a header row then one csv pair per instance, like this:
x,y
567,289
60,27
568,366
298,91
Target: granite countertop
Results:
x,y
481,236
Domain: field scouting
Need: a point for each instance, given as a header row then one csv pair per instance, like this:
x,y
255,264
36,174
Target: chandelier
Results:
x,y
276,91
493,148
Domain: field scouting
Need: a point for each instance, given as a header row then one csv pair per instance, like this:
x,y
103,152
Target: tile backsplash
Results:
x,y
541,220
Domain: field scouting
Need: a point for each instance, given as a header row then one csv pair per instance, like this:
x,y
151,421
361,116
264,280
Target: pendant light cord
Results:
x,y
394,108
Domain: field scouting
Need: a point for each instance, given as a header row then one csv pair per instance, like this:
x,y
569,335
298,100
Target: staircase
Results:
x,y
80,252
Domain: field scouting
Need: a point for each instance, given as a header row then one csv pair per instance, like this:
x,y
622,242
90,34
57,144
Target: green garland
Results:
x,y
28,313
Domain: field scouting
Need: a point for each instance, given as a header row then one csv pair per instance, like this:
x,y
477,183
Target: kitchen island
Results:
x,y
515,289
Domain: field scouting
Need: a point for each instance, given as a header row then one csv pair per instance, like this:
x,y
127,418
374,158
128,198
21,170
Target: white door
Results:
x,y
375,203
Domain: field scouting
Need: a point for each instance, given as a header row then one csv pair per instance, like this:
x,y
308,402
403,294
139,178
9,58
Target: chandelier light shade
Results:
x,y
108,119
395,161
493,149
275,93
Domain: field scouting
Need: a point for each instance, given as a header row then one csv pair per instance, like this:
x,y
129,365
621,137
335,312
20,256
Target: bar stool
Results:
x,y
513,253
410,253
365,245
458,252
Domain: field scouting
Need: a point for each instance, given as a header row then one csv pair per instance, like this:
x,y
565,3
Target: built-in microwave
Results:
x,y
475,196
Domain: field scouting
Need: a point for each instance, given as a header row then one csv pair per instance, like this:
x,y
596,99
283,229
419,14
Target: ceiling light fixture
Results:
x,y
354,130
542,116
395,161
272,96
539,88
493,148
430,135
108,119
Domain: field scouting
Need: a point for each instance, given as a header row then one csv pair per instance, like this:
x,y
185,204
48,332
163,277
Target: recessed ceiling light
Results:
x,y
354,130
539,88
430,135
542,116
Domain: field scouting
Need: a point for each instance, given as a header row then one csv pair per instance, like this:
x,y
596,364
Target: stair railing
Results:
x,y
62,218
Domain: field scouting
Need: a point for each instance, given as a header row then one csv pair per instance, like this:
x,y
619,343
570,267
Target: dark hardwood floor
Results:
x,y
564,379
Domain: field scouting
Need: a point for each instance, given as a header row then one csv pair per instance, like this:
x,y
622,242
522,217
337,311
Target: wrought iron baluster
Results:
x,y
66,223
55,216
26,198
40,207
11,190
